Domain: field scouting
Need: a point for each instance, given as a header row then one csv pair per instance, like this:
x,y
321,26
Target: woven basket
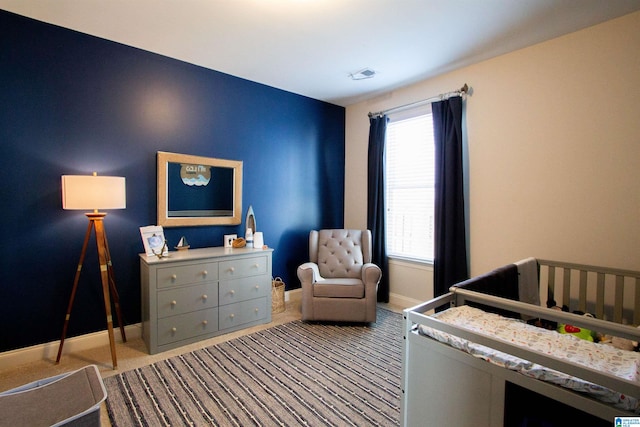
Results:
x,y
277,295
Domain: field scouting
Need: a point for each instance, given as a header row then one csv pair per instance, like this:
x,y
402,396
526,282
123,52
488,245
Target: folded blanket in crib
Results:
x,y
528,281
624,364
501,282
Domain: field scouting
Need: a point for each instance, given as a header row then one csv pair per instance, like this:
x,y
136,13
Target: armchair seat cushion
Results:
x,y
339,288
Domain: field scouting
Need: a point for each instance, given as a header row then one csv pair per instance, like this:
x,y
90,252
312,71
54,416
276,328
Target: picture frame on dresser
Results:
x,y
152,239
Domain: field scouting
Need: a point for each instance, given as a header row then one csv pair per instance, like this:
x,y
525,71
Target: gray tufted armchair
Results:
x,y
339,283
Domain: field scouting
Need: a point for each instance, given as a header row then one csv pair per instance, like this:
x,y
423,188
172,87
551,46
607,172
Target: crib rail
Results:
x,y
609,293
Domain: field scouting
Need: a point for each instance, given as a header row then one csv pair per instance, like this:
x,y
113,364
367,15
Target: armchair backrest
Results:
x,y
340,252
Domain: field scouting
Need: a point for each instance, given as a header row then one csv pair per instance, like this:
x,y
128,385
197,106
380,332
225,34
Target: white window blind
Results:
x,y
410,187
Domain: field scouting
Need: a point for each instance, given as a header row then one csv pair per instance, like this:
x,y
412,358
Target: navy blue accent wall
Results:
x,y
73,104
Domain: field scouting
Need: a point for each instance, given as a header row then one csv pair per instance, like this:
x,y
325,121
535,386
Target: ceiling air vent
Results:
x,y
365,73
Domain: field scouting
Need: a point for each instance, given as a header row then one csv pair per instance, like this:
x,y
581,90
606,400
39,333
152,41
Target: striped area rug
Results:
x,y
292,374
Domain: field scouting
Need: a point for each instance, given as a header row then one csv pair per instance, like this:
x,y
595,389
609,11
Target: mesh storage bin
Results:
x,y
71,399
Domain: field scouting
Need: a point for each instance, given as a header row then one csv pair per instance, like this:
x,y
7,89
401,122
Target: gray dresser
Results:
x,y
200,293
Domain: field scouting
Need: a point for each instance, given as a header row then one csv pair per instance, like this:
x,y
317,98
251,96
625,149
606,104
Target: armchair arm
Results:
x,y
371,275
308,273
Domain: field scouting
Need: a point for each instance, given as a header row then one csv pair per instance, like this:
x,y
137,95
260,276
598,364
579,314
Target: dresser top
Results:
x,y
201,253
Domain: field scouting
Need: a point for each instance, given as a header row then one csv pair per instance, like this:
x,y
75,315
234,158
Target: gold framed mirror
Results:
x,y
195,190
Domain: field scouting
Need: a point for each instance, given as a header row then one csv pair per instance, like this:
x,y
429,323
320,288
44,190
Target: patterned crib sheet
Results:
x,y
621,363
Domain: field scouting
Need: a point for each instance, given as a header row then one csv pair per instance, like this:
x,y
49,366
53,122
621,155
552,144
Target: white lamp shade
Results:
x,y
87,192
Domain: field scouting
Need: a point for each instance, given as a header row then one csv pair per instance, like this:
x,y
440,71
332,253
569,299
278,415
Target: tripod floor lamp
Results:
x,y
93,192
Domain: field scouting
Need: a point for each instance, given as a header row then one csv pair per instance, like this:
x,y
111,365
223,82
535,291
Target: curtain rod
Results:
x,y
463,90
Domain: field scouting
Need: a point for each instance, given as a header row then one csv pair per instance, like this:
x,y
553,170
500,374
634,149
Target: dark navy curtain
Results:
x,y
450,251
375,200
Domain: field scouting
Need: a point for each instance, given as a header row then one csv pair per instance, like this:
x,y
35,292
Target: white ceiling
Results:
x,y
310,47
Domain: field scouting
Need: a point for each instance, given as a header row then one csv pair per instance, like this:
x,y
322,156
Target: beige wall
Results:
x,y
553,136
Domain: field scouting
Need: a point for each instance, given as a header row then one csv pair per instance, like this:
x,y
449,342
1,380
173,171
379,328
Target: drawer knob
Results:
x,y
174,277
257,286
232,269
174,329
256,265
174,302
204,323
256,310
204,273
232,315
232,292
204,297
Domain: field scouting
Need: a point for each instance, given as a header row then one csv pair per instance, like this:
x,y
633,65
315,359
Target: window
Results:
x,y
410,186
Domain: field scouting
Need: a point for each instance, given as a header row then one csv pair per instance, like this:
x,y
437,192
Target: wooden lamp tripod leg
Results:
x,y
112,286
76,279
104,274
108,284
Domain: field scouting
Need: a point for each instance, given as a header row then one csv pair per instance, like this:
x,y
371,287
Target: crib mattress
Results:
x,y
621,363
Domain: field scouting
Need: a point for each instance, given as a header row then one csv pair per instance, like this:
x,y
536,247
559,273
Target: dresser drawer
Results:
x,y
184,326
243,267
187,274
185,299
243,312
237,290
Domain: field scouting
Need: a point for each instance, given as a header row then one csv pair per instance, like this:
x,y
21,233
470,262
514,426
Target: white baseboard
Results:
x,y
402,301
49,351
293,295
